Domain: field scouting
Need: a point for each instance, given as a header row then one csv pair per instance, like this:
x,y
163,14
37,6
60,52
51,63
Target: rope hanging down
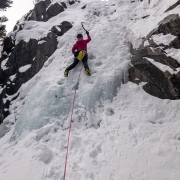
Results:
x,y
70,125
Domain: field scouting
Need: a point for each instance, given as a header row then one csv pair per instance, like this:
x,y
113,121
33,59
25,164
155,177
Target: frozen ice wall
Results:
x,y
51,103
42,107
108,62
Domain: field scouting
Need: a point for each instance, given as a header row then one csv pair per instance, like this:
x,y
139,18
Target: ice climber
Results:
x,y
79,50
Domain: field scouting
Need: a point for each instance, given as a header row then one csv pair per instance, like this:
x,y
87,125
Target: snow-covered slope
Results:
x,y
118,131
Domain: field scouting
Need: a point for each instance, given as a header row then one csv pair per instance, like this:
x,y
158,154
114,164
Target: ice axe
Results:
x,y
83,26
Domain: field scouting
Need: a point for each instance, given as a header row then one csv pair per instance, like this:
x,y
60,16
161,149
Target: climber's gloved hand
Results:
x,y
87,32
76,53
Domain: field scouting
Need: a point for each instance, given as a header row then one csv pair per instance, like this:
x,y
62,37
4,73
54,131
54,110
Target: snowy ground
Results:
x,y
119,132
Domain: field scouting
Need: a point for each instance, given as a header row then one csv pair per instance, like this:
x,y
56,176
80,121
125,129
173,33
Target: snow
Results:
x,y
4,128
41,42
3,64
12,77
162,67
174,53
146,43
9,98
155,12
118,130
1,89
24,68
163,39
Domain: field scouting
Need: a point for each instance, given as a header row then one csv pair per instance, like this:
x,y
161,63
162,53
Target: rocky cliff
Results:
x,y
151,55
21,60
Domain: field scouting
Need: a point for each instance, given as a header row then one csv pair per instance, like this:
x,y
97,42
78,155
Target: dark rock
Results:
x,y
64,5
174,44
39,11
144,17
33,53
8,45
136,76
71,2
64,27
83,7
176,80
170,25
173,6
54,10
158,83
157,54
42,11
24,53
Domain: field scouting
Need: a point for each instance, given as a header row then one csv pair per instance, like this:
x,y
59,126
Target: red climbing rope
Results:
x,y
70,125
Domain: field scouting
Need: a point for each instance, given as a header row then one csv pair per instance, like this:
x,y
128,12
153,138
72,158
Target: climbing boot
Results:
x,y
87,71
65,73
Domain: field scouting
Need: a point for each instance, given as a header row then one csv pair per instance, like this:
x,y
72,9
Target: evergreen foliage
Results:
x,y
4,4
2,31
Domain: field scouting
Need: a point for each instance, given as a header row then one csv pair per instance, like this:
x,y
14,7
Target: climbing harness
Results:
x,y
81,55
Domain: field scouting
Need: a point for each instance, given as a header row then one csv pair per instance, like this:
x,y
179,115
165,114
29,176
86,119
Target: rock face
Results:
x,y
162,84
65,26
43,11
32,53
22,61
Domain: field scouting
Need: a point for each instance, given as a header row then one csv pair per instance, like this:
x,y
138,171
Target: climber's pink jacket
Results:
x,y
81,44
